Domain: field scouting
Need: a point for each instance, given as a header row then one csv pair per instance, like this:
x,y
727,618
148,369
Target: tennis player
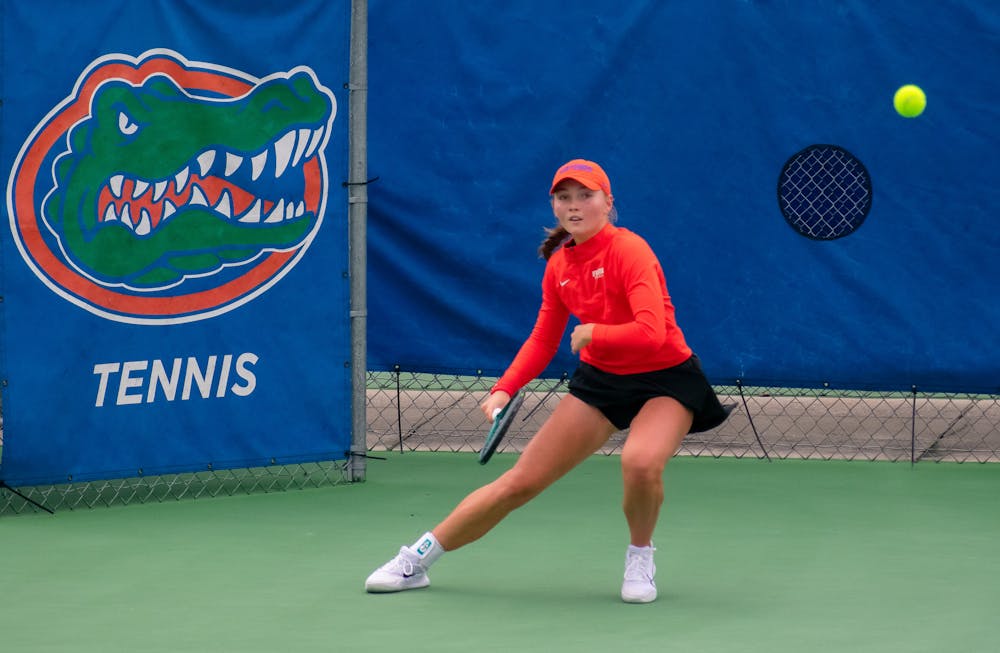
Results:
x,y
636,372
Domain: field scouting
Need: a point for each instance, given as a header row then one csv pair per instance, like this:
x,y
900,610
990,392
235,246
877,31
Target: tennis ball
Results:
x,y
909,101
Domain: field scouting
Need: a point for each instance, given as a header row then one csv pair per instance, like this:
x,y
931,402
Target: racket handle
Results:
x,y
496,411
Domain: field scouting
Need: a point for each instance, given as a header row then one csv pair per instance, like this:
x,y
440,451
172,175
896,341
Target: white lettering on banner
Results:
x,y
136,384
128,381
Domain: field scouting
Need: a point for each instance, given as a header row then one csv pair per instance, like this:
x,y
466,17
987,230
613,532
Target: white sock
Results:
x,y
428,549
642,549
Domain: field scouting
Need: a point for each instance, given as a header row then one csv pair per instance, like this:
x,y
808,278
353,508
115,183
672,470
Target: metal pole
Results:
x,y
357,213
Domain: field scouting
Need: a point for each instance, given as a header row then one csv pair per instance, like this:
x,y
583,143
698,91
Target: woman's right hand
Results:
x,y
494,402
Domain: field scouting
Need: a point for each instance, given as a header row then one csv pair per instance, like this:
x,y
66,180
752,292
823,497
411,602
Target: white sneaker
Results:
x,y
639,586
404,572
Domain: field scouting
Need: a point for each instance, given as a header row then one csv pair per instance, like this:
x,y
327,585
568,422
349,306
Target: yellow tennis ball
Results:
x,y
909,101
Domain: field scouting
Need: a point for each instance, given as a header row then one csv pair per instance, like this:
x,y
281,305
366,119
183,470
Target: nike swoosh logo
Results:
x,y
564,282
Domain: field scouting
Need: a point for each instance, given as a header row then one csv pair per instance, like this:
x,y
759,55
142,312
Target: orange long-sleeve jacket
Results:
x,y
614,281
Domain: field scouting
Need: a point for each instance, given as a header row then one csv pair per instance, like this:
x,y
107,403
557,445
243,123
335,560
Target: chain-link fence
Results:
x,y
409,411
171,487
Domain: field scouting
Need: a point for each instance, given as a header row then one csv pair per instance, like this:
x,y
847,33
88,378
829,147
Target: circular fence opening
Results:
x,y
824,192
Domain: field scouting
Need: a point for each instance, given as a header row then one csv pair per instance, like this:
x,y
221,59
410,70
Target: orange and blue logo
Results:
x,y
163,191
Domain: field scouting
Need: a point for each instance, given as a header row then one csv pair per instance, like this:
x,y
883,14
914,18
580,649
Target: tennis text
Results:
x,y
136,382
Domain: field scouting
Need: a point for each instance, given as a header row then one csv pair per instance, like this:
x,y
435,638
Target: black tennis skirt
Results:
x,y
620,397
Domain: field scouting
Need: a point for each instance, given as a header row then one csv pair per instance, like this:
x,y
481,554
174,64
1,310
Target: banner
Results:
x,y
174,249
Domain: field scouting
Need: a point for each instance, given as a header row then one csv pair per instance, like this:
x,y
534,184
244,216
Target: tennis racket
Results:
x,y
502,419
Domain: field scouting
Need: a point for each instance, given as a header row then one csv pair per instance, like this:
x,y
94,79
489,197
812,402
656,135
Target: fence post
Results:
x,y
357,213
913,427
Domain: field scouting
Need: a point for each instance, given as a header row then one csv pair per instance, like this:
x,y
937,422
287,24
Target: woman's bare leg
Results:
x,y
573,432
654,437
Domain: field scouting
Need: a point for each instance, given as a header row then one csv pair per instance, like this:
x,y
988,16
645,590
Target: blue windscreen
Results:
x,y
809,233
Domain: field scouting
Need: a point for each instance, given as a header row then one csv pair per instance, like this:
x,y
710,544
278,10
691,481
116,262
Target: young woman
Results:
x,y
636,372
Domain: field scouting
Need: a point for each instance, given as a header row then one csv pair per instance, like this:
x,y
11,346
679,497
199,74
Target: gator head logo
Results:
x,y
165,191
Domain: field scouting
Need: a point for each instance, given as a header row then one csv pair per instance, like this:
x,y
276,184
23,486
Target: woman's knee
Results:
x,y
516,488
641,470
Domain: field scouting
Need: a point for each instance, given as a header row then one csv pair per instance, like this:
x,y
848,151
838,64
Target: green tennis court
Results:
x,y
752,556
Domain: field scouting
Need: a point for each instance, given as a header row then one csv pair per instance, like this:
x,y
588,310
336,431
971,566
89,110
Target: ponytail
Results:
x,y
554,238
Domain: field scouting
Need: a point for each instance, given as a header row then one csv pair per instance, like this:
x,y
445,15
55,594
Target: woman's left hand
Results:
x,y
581,337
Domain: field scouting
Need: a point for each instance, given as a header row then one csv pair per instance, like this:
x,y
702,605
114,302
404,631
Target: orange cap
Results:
x,y
586,172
